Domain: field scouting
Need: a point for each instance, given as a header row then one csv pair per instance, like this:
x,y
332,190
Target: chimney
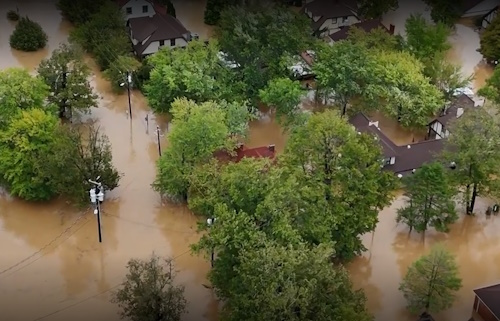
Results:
x,y
271,148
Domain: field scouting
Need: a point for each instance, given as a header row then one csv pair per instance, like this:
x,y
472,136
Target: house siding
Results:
x,y
482,8
332,25
483,311
155,46
136,6
489,17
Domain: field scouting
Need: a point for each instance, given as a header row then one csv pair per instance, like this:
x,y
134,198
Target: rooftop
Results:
x,y
326,9
455,110
159,8
490,296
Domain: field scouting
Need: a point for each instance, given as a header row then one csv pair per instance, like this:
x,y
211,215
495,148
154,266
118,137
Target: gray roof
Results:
x,y
490,296
327,9
158,27
463,101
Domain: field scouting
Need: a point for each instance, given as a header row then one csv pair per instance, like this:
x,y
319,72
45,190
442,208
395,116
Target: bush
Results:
x,y
28,36
13,15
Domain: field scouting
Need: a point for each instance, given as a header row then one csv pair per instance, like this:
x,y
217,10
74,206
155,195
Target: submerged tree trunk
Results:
x,y
62,106
473,198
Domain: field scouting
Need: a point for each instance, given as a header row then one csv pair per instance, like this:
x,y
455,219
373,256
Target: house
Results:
x,y
140,8
402,160
367,26
329,16
242,152
476,8
150,33
437,127
486,304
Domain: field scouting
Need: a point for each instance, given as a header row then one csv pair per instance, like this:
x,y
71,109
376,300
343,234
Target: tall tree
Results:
x,y
340,172
197,132
406,93
213,10
491,90
370,9
284,95
445,11
426,40
474,147
431,282
430,200
28,36
489,46
79,11
66,73
346,71
149,292
20,91
375,39
292,283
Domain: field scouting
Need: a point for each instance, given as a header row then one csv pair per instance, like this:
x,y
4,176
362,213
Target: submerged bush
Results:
x,y
28,36
13,15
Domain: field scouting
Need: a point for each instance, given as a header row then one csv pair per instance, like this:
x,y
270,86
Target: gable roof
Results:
x,y
158,27
463,102
326,9
490,296
367,26
159,8
362,125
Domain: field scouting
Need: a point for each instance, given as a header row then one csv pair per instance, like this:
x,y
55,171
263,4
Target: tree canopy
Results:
x,y
79,11
491,90
489,46
445,11
284,95
28,36
371,9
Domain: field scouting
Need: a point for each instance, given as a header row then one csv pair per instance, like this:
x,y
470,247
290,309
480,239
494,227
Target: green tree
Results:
x,y
195,73
489,46
446,76
426,40
445,11
213,10
149,292
430,200
117,71
284,95
197,132
431,282
20,91
338,173
474,149
371,9
66,73
375,39
406,93
261,39
491,89
346,71
292,283
79,11
28,36
24,146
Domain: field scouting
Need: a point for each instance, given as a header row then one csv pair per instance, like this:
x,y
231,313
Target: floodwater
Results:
x,y
70,275
191,13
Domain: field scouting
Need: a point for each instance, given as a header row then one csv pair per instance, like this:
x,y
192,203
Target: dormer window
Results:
x,y
144,9
129,10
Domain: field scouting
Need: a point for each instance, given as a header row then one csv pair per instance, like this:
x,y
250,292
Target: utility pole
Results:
x,y
210,222
96,198
158,138
128,83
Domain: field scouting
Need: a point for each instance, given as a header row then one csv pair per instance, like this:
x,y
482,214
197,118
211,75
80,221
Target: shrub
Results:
x,y
13,15
28,36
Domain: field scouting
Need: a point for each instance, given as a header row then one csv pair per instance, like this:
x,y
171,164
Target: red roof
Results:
x,y
159,8
241,152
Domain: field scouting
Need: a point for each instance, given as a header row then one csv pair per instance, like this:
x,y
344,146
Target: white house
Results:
x,y
329,16
140,8
476,8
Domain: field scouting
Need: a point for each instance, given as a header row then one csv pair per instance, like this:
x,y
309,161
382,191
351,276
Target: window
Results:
x,y
334,20
162,43
144,9
172,42
129,10
344,20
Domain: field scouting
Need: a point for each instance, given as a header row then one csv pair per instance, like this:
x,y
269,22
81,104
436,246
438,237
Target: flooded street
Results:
x,y
67,274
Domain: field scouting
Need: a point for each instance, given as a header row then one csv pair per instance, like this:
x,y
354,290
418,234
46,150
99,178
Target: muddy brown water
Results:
x,y
71,277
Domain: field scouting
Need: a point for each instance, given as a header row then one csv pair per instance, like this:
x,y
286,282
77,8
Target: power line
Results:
x,y
44,247
95,295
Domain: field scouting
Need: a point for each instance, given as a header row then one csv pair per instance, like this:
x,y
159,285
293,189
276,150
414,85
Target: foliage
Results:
x,y
79,11
406,93
104,35
197,132
141,76
375,39
430,200
491,90
336,179
292,283
66,73
84,154
371,9
20,91
24,146
117,71
284,95
474,146
489,46
169,6
444,11
213,10
346,70
28,36
13,15
261,39
431,282
426,40
149,292
194,72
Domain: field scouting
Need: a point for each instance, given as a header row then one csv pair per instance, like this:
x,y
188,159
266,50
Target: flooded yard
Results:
x,y
68,275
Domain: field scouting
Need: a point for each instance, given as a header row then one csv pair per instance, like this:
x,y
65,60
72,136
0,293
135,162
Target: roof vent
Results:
x,y
409,146
413,171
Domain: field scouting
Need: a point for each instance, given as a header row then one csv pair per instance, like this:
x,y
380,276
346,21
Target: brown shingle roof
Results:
x,y
362,124
462,101
327,9
159,8
367,26
490,296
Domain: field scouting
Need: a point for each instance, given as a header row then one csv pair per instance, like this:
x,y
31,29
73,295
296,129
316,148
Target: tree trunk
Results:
x,y
400,109
62,107
473,198
470,206
344,109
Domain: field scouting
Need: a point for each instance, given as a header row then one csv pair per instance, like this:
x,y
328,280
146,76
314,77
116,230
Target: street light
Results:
x,y
158,138
96,198
128,83
210,222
